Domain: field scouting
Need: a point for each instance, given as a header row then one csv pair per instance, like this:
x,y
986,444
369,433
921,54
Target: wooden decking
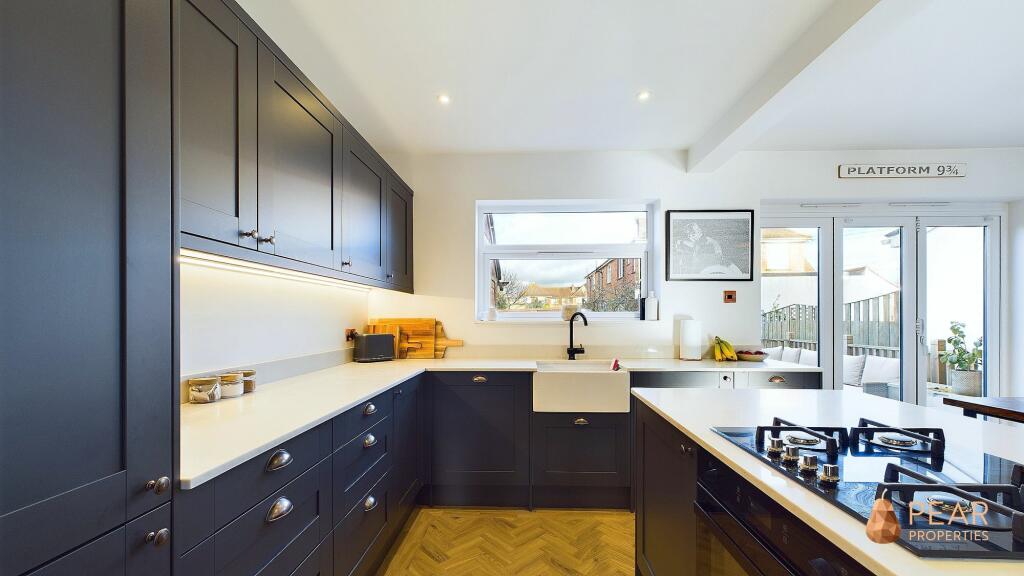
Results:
x,y
507,542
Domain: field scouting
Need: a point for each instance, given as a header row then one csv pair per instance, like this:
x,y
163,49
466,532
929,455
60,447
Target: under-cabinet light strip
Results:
x,y
206,260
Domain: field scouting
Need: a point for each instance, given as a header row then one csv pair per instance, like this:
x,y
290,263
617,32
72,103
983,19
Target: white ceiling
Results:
x,y
533,74
950,76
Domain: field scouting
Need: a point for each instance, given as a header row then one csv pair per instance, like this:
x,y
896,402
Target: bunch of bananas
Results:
x,y
723,350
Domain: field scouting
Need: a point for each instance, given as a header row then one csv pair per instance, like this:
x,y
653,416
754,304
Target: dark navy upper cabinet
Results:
x,y
299,200
399,234
364,201
86,375
217,119
481,437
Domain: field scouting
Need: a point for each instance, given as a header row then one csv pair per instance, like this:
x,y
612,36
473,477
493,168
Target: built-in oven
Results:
x,y
743,532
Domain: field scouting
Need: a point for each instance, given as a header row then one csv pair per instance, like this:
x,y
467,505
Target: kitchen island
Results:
x,y
695,412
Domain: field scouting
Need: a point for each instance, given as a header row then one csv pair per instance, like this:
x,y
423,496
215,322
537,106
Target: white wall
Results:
x,y
1013,357
231,318
447,187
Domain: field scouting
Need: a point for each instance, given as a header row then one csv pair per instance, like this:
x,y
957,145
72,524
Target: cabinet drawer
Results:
x,y
478,378
101,557
358,531
359,464
674,379
319,563
240,488
359,418
278,533
807,380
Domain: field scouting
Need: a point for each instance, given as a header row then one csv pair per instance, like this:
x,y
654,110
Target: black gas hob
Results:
x,y
975,500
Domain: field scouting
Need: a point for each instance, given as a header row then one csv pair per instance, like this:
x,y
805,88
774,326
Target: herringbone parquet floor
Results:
x,y
504,542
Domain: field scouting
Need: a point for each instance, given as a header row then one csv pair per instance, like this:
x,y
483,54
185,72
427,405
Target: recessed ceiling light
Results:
x,y
643,95
444,99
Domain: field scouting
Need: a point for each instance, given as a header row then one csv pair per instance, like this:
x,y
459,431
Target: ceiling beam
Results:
x,y
779,89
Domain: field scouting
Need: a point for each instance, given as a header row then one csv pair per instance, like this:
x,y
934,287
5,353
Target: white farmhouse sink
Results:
x,y
580,386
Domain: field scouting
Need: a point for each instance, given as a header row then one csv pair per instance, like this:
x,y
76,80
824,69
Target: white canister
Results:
x,y
231,385
691,339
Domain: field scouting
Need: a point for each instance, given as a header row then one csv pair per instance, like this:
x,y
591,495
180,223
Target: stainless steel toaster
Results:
x,y
374,347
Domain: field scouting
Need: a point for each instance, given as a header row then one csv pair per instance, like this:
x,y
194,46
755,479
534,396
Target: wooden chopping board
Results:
x,y
420,338
416,336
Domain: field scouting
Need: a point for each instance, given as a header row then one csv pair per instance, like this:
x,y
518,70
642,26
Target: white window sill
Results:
x,y
555,321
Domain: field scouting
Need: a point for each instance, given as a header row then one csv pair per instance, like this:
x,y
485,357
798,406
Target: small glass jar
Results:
x,y
204,390
231,385
248,380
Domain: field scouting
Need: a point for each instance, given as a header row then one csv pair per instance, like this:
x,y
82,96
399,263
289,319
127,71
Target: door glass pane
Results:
x,y
955,311
789,294
872,360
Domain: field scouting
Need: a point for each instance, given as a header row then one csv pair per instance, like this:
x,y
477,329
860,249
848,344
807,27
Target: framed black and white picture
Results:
x,y
709,244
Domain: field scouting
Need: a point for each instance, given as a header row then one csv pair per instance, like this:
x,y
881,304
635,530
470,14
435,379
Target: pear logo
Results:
x,y
883,527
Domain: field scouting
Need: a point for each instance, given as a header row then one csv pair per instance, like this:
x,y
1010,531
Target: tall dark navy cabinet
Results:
x,y
86,370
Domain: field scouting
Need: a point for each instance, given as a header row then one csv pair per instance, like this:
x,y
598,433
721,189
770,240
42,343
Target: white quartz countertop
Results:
x,y
673,365
217,437
696,411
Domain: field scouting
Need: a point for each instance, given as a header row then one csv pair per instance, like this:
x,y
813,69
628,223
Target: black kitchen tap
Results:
x,y
572,350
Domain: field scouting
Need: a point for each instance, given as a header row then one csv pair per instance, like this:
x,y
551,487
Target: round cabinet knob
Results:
x,y
279,459
158,538
160,485
369,441
369,504
688,450
250,234
370,409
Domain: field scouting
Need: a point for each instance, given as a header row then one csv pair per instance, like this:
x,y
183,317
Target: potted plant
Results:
x,y
964,376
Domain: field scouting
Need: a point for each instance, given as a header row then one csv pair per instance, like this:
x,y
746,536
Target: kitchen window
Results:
x,y
536,258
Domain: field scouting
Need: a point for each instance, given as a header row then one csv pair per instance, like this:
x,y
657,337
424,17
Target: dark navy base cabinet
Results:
x,y
481,434
666,487
580,460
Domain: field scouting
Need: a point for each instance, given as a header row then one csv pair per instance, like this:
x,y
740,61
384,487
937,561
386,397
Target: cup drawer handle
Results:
x,y
369,504
370,409
369,441
279,509
776,379
581,422
478,379
279,459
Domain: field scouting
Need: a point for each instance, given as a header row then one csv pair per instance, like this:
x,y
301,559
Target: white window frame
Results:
x,y
912,216
485,252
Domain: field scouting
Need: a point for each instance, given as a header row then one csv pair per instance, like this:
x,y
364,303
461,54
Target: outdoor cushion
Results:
x,y
879,369
853,369
790,355
809,357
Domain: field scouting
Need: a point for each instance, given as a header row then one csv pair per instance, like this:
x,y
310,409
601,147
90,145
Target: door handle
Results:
x,y
279,459
279,509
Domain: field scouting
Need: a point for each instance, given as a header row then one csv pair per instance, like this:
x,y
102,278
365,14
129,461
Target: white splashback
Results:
x,y
233,318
